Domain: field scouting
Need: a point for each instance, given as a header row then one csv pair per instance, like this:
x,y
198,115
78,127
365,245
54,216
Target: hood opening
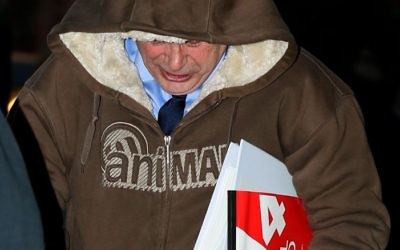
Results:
x,y
104,57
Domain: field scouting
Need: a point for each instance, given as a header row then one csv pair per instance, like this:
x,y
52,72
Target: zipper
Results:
x,y
167,143
166,207
166,210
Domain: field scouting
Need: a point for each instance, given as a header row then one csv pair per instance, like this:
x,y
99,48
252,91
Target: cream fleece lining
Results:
x,y
103,56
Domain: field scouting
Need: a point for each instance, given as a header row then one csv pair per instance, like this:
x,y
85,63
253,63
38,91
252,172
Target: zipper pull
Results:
x,y
167,143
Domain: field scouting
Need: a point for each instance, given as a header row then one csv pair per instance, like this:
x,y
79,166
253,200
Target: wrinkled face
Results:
x,y
180,68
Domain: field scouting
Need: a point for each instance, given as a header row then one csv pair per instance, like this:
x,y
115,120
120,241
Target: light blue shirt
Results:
x,y
158,96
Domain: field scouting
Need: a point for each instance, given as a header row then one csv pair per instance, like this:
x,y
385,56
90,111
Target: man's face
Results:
x,y
180,68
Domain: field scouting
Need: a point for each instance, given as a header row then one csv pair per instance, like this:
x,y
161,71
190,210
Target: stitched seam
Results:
x,y
209,20
133,11
323,71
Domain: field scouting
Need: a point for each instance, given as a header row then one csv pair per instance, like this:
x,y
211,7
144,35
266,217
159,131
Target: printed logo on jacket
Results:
x,y
127,162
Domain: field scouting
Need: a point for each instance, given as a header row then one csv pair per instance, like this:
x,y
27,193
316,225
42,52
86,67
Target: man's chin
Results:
x,y
172,89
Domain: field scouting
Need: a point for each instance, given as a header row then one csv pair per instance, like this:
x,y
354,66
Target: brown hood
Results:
x,y
217,21
93,31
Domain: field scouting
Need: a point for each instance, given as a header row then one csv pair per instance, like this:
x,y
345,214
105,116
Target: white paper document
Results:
x,y
246,168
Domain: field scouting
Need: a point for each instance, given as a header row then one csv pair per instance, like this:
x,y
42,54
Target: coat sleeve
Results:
x,y
335,174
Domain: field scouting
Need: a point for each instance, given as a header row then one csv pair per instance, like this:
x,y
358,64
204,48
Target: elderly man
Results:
x,y
136,105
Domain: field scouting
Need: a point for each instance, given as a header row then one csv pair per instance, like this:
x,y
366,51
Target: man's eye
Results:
x,y
192,43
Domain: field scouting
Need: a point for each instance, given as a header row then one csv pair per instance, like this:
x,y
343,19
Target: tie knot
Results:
x,y
171,113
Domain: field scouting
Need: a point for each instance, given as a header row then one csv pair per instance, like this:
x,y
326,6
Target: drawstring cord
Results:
x,y
90,131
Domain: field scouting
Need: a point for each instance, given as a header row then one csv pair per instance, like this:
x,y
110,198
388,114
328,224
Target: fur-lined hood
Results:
x,y
256,35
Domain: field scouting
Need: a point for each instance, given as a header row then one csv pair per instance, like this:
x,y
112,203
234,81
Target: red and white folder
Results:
x,y
264,209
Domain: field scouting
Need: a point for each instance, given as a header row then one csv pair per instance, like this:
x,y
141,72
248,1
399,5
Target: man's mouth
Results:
x,y
176,77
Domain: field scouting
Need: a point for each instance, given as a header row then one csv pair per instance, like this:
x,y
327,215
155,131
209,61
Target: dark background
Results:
x,y
358,40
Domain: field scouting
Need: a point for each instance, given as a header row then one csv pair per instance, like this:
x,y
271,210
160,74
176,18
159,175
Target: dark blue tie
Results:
x,y
171,113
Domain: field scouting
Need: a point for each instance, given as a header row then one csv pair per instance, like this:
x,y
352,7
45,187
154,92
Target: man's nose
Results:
x,y
176,56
